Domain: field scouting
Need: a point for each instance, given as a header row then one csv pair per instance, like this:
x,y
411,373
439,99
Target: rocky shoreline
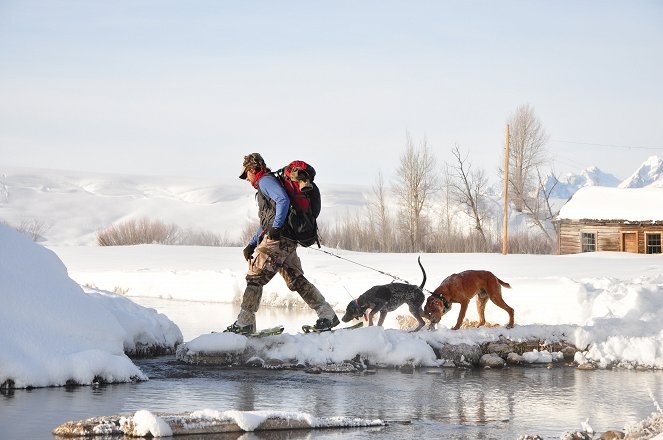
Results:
x,y
493,354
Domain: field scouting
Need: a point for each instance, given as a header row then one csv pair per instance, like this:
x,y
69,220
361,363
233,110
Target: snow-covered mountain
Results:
x,y
571,183
650,173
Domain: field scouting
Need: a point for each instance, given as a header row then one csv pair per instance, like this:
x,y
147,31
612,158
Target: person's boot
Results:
x,y
324,324
314,299
246,320
240,330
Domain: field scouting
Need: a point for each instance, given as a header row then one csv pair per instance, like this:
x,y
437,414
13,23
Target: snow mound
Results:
x,y
53,333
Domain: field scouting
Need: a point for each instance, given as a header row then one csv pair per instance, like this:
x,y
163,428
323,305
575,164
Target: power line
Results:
x,y
608,145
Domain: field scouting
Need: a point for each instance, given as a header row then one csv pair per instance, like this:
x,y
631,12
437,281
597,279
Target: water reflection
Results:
x,y
479,404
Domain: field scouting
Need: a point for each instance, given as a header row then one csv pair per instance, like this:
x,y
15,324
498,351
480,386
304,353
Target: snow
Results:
x,y
601,203
52,332
147,423
227,342
612,302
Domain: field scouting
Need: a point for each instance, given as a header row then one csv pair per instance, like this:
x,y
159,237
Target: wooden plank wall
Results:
x,y
608,234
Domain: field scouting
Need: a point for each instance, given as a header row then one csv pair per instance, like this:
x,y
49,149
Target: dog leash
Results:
x,y
362,265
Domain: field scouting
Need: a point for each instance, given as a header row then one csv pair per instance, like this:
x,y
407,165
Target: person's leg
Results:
x,y
261,270
294,277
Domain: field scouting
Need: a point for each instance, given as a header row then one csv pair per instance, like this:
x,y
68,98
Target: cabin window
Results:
x,y
653,243
588,241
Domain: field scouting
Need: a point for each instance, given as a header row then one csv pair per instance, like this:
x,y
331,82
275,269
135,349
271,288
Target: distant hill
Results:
x,y
73,205
650,173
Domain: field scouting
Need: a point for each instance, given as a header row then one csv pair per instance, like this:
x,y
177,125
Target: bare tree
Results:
x,y
527,141
379,213
446,224
539,209
468,188
416,182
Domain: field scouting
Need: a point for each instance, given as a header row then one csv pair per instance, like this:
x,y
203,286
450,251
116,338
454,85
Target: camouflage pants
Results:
x,y
280,256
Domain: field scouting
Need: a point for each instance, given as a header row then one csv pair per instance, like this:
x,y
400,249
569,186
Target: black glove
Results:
x,y
248,251
274,233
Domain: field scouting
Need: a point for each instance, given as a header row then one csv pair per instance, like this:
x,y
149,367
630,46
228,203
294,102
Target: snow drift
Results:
x,y
53,333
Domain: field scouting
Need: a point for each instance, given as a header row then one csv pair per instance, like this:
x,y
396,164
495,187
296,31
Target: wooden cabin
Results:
x,y
611,219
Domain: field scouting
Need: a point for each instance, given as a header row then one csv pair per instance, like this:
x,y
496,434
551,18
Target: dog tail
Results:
x,y
422,269
507,285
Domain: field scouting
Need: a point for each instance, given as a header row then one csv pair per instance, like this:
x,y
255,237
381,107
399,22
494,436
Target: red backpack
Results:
x,y
305,204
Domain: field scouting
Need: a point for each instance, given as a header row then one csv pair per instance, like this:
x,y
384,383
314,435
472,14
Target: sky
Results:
x,y
175,88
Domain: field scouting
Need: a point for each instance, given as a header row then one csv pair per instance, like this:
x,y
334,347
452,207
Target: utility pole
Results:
x,y
506,189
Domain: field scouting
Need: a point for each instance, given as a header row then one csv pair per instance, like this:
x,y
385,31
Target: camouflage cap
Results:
x,y
253,161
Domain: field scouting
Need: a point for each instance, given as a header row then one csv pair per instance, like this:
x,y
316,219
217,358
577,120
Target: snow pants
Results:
x,y
280,256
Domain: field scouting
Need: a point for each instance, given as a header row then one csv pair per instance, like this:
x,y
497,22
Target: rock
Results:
x,y
461,354
569,353
274,364
514,359
491,361
407,369
587,366
143,350
207,358
501,347
255,362
612,435
343,367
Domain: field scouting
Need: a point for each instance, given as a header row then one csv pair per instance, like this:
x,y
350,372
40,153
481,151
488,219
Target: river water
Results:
x,y
443,403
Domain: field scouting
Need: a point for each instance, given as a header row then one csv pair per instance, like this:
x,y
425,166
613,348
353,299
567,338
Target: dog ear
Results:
x,y
354,308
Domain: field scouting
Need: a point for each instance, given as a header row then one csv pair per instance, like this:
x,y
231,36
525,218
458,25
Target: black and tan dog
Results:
x,y
387,298
461,288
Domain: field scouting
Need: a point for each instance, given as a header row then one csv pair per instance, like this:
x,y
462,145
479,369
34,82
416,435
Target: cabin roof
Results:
x,y
603,203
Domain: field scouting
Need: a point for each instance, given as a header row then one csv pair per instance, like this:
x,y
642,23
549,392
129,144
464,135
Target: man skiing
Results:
x,y
276,251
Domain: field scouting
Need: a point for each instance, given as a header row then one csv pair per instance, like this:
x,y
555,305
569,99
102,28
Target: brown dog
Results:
x,y
460,288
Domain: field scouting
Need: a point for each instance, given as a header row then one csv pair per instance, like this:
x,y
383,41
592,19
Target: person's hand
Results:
x,y
248,251
274,233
